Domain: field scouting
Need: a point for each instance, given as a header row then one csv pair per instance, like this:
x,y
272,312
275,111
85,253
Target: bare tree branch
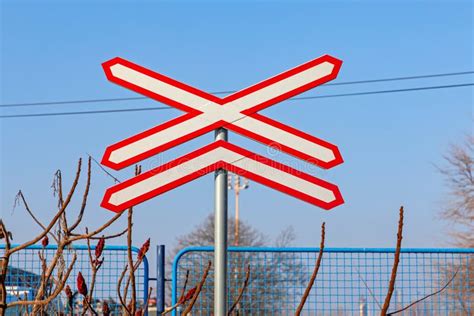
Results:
x,y
396,260
119,291
105,237
27,207
198,290
95,265
43,282
150,290
89,307
181,299
131,266
84,197
98,230
183,290
141,255
57,187
21,196
4,234
241,291
130,262
315,271
56,217
104,170
427,296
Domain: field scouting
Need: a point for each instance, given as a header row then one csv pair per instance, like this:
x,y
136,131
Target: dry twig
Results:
x,y
198,290
150,290
396,260
131,269
104,237
241,291
131,265
56,217
426,296
104,170
315,271
183,290
4,234
84,198
21,197
119,291
182,296
95,265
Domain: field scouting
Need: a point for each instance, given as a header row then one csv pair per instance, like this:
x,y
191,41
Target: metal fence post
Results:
x,y
160,279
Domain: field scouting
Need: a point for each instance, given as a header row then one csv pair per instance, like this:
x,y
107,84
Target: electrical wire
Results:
x,y
87,112
228,92
297,98
385,91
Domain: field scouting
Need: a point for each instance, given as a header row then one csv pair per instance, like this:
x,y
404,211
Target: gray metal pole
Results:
x,y
220,236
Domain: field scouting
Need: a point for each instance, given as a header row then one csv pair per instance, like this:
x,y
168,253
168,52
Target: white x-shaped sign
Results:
x,y
237,112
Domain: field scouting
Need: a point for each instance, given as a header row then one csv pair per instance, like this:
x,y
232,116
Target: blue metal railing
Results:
x,y
25,269
351,281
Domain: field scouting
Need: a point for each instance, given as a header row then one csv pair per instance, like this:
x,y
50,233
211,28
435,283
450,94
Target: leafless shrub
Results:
x,y
54,273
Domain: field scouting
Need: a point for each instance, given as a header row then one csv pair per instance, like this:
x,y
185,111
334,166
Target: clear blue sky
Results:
x,y
53,51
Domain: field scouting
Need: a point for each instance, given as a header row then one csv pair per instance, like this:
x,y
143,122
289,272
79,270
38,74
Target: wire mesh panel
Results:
x,y
24,277
349,282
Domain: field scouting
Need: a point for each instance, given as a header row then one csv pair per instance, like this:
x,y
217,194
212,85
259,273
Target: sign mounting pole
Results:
x,y
220,235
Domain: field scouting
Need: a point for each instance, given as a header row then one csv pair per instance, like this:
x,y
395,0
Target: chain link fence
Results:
x,y
349,282
24,277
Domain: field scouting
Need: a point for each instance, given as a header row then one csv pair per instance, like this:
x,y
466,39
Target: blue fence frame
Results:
x,y
24,260
338,278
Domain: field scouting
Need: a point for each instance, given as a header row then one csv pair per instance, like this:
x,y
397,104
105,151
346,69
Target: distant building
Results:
x,y
22,278
21,285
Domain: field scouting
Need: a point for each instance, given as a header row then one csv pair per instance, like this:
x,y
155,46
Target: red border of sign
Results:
x,y
228,166
249,112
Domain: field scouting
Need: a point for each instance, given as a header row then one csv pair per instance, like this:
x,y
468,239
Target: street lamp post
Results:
x,y
237,186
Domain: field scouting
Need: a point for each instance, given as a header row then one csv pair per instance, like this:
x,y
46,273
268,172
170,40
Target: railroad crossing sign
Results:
x,y
237,112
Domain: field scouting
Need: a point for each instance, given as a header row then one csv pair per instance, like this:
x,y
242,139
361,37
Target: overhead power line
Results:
x,y
87,112
228,92
385,91
299,98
